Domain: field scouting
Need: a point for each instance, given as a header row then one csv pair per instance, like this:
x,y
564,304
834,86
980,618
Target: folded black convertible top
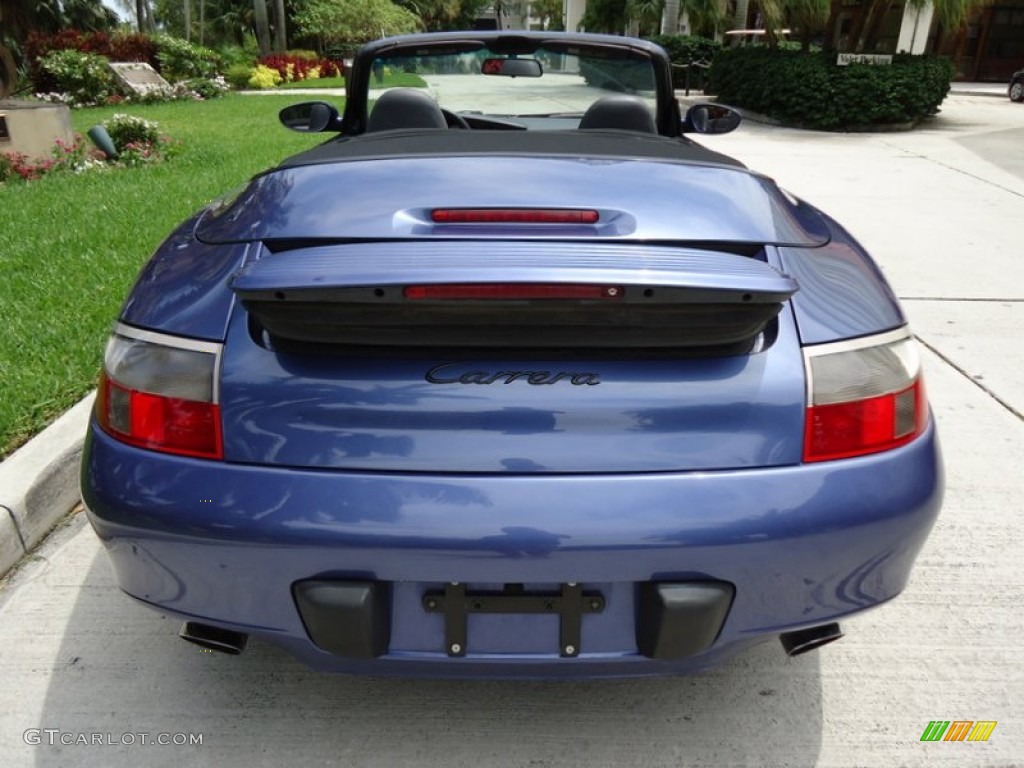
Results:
x,y
420,143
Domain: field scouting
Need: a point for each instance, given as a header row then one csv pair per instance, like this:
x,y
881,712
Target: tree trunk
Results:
x,y
187,13
262,26
280,29
874,29
670,18
739,19
858,32
831,33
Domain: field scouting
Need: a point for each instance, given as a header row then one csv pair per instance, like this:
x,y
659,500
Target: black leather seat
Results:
x,y
619,113
403,108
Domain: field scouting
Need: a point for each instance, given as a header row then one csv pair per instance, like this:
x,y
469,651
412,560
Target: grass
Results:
x,y
391,80
71,245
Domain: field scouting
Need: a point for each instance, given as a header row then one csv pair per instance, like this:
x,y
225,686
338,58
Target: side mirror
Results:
x,y
310,117
711,118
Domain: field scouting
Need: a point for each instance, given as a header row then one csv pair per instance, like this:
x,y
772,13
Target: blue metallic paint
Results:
x,y
325,411
803,545
181,289
843,293
464,261
374,199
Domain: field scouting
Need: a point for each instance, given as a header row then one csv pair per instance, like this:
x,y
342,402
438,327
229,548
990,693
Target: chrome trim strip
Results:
x,y
847,345
214,348
861,342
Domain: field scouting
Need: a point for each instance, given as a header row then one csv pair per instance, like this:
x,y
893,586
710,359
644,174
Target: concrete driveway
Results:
x,y
79,661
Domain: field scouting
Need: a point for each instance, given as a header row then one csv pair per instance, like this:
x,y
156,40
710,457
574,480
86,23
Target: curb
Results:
x,y
39,483
989,92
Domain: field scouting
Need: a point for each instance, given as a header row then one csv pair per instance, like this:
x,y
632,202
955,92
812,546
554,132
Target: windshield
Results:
x,y
543,83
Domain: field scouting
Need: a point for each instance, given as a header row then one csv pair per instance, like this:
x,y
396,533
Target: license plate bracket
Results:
x,y
569,604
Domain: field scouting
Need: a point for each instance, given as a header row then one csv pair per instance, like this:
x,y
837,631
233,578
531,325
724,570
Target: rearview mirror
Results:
x,y
711,118
512,67
310,117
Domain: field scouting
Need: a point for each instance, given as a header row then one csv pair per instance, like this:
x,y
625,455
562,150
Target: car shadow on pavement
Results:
x,y
121,672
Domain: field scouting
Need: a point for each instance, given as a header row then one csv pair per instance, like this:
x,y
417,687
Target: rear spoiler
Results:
x,y
661,297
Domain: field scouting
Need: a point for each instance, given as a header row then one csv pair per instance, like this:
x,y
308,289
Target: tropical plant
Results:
x,y
263,77
550,14
334,22
706,17
808,16
440,15
79,79
74,156
605,16
645,15
179,59
20,18
127,129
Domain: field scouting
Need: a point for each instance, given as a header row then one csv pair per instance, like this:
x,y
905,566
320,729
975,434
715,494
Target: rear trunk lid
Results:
x,y
514,357
637,199
383,329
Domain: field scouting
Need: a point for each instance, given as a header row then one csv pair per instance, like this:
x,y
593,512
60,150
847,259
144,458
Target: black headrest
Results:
x,y
620,113
405,108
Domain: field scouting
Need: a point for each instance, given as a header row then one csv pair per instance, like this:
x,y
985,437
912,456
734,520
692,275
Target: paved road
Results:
x,y
945,222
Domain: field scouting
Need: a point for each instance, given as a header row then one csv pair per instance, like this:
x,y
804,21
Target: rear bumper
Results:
x,y
226,545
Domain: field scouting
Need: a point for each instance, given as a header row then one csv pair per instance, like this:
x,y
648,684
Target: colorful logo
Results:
x,y
958,730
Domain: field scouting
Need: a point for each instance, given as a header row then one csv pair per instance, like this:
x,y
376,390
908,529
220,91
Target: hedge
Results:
x,y
173,58
683,49
809,90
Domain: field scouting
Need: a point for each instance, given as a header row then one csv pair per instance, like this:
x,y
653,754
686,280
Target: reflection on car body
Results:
x,y
509,377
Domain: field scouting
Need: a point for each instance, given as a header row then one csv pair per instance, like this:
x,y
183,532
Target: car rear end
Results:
x,y
519,438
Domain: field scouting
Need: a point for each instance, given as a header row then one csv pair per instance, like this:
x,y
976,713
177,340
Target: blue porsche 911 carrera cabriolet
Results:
x,y
509,377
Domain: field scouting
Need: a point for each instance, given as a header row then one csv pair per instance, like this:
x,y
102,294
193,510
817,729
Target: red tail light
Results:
x,y
512,291
863,397
514,216
156,392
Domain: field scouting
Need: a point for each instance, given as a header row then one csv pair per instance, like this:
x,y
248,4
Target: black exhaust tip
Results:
x,y
804,640
213,638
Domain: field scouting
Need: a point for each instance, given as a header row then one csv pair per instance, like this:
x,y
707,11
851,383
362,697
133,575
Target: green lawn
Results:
x,y
71,245
391,80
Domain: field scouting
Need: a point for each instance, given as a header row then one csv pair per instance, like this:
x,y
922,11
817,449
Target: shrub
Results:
x,y
180,60
810,90
291,67
235,55
119,47
138,141
79,79
207,87
263,77
75,156
129,129
238,75
302,53
683,49
133,46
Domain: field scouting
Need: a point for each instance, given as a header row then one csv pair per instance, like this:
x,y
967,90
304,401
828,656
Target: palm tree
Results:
x,y
670,19
262,24
280,30
646,14
144,16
